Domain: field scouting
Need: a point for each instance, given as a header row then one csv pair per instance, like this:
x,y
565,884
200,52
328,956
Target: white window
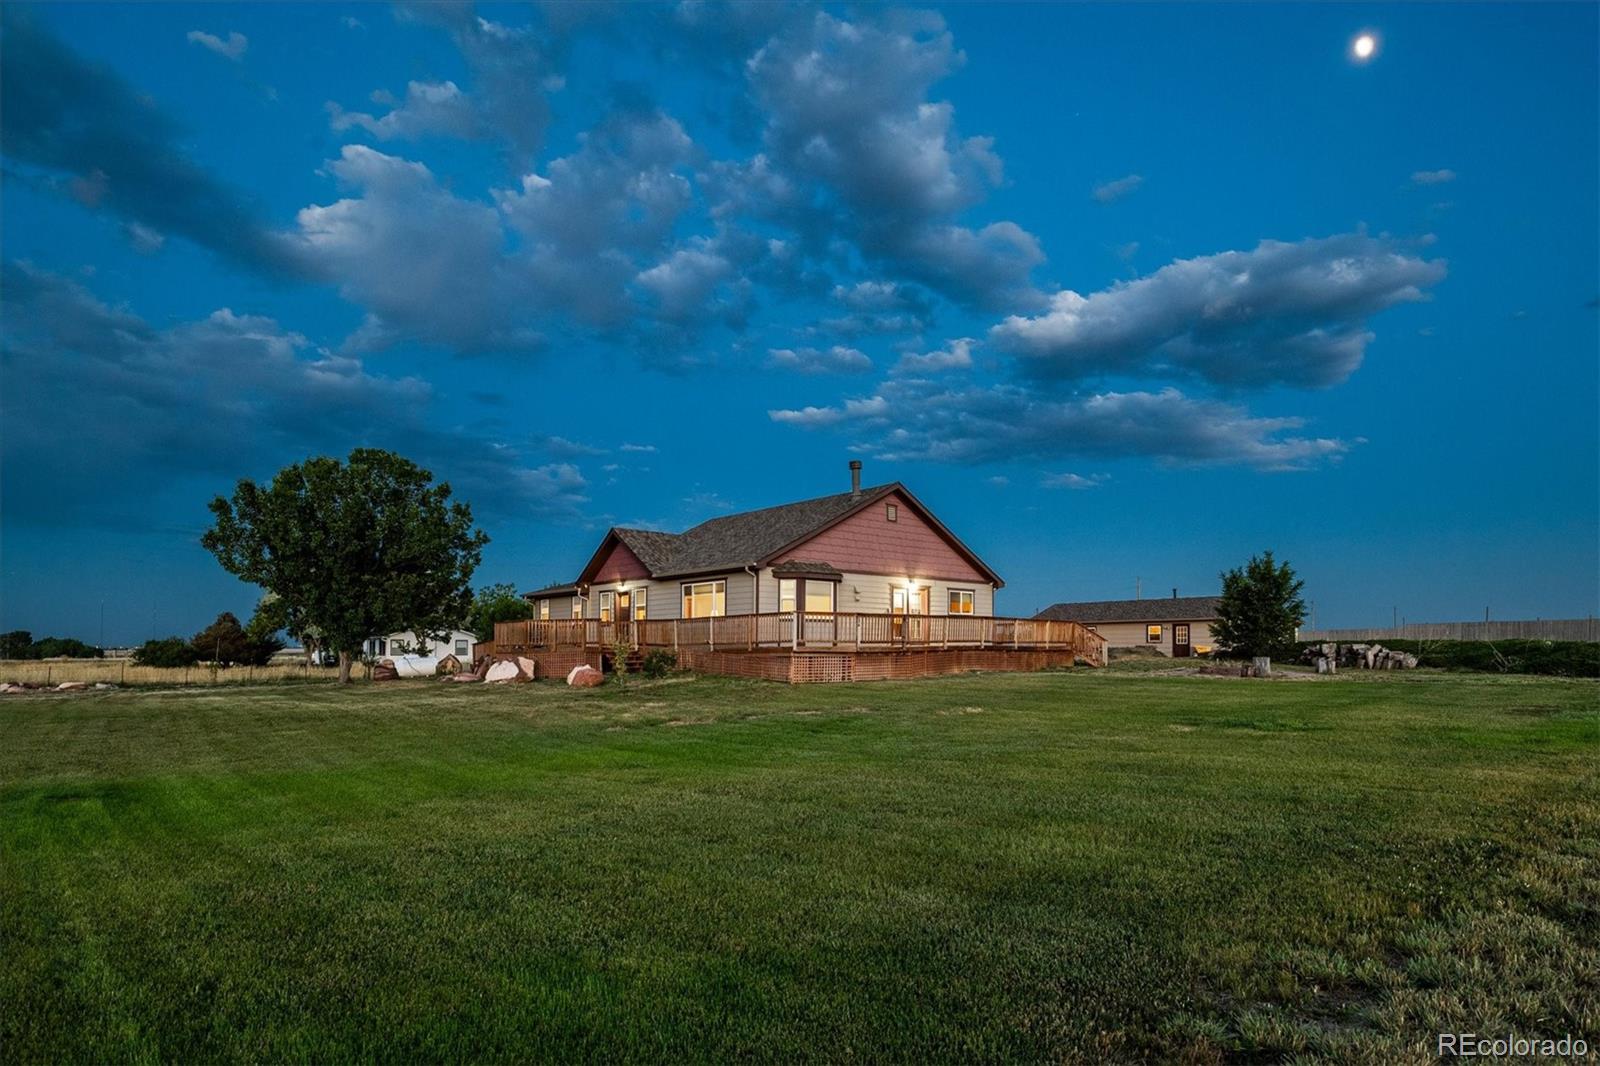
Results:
x,y
819,597
638,604
606,599
577,606
785,595
960,601
544,610
704,599
461,646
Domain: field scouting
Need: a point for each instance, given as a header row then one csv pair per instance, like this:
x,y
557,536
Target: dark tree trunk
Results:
x,y
344,668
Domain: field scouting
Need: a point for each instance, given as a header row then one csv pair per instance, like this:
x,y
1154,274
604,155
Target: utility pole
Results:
x,y
1136,587
102,627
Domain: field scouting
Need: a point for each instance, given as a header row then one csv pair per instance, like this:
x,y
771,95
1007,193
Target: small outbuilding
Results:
x,y
1179,626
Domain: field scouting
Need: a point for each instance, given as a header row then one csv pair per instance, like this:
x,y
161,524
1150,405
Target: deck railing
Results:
x,y
807,631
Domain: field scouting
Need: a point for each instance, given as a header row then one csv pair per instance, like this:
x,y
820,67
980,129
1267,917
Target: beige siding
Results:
x,y
1132,635
664,599
870,594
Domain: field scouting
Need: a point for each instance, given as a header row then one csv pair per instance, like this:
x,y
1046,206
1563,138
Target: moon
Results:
x,y
1364,47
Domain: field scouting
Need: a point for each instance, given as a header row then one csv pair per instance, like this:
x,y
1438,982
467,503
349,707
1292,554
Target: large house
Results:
x,y
1178,626
872,550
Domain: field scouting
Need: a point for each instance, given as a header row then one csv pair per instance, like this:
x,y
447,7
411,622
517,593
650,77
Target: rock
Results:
x,y
384,672
1262,665
71,686
103,685
503,670
12,688
530,667
465,676
585,677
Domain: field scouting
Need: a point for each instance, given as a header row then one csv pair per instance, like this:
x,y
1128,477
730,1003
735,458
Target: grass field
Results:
x,y
1055,866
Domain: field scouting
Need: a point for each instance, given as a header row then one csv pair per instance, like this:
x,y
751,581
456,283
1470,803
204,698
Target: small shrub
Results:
x,y
658,663
620,651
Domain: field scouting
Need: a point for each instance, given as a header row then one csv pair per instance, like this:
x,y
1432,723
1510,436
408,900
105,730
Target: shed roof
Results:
x,y
1155,609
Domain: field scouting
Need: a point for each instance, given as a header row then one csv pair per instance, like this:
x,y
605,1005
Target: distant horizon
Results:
x,y
1123,293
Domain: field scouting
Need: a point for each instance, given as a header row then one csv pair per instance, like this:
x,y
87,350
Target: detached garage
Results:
x,y
1180,626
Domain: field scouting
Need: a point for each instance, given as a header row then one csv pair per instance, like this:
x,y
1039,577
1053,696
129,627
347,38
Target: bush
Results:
x,y
172,651
658,663
19,644
1561,658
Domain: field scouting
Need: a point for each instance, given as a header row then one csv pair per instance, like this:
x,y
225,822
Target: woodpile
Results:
x,y
1327,658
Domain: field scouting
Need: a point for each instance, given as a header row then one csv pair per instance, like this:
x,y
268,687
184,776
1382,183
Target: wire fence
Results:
x,y
127,672
1539,629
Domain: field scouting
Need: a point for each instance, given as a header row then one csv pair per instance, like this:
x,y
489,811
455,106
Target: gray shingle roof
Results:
x,y
738,540
1155,609
653,547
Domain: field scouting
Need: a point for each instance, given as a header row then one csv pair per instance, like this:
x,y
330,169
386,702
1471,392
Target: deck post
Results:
x,y
799,624
674,636
711,631
858,632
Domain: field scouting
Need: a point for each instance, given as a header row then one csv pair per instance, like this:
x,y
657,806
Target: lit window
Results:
x,y
960,601
544,610
891,512
638,604
606,599
786,595
819,597
461,646
1152,634
704,599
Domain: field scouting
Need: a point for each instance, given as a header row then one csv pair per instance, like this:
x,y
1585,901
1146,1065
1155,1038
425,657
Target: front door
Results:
x,y
899,601
624,615
1180,640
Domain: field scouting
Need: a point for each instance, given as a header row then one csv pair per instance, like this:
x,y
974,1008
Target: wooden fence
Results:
x,y
807,631
127,672
1540,629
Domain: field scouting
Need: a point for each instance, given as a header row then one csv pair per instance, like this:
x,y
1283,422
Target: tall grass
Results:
x,y
128,672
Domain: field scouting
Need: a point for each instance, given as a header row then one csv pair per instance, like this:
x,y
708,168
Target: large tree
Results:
x,y
1260,609
353,549
497,603
226,641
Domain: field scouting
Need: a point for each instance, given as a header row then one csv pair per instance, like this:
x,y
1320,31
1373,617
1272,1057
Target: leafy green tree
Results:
x,y
226,641
17,644
55,647
496,603
168,651
369,545
1260,609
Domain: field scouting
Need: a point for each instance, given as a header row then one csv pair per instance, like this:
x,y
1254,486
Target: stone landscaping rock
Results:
x,y
504,670
585,677
71,686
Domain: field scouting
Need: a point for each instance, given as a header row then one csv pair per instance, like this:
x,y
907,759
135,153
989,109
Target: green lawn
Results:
x,y
1054,866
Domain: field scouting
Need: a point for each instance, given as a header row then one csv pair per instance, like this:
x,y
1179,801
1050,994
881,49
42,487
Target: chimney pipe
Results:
x,y
855,477
1174,593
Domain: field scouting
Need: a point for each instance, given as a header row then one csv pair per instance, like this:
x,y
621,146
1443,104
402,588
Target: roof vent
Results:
x,y
855,477
1174,593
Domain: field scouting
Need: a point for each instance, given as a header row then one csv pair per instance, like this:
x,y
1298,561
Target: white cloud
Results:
x,y
233,47
430,109
1432,177
1112,191
835,360
1073,481
921,421
956,355
1279,314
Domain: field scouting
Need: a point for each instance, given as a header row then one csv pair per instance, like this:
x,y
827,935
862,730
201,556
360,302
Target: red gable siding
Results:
x,y
620,565
868,543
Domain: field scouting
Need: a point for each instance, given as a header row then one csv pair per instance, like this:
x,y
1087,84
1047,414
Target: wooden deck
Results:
x,y
807,646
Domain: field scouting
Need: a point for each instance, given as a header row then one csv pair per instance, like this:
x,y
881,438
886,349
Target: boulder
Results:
x,y
504,670
104,685
384,671
71,686
530,667
585,677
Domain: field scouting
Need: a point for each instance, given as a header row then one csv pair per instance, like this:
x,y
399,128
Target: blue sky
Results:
x,y
1123,292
